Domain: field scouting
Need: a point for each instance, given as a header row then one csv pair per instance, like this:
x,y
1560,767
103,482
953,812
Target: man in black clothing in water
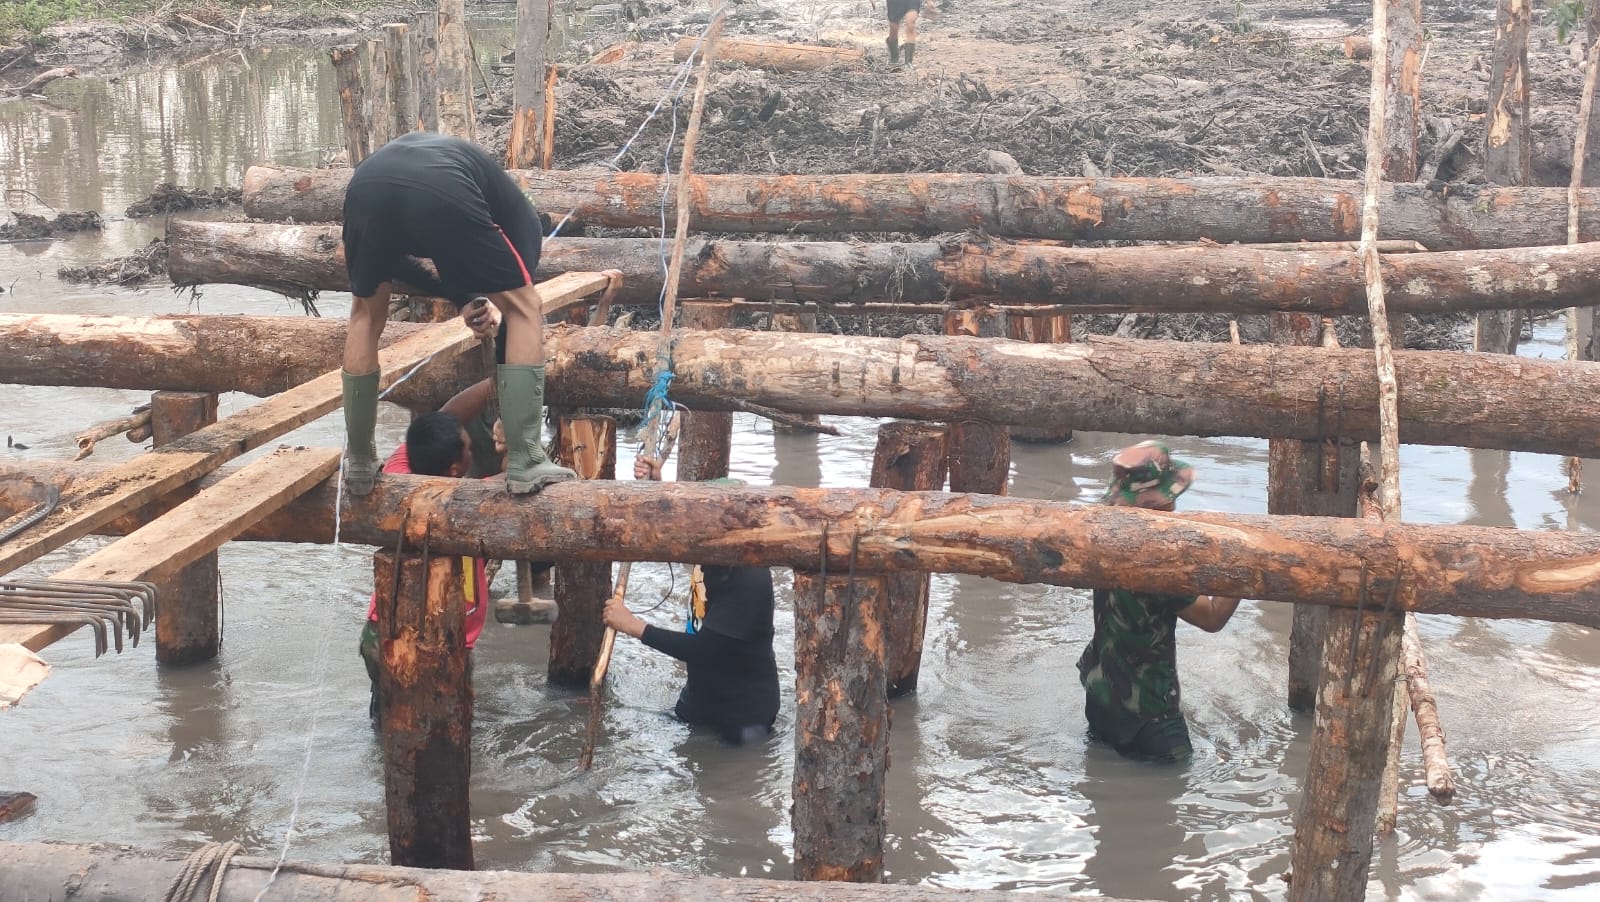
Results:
x,y
733,676
427,195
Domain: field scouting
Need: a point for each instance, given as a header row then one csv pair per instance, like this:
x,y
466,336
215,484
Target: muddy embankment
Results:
x,y
1150,89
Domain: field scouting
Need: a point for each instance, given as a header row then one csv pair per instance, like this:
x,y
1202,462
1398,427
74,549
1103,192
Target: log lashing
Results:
x,y
1246,210
1217,279
1460,570
1114,385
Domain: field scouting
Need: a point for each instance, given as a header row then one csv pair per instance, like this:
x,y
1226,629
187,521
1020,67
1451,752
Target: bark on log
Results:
x,y
705,443
188,615
1462,570
380,111
425,51
803,322
103,873
456,117
1105,384
841,745
352,106
1508,149
425,707
1402,107
910,457
1248,210
587,444
402,78
980,450
776,55
1089,280
525,149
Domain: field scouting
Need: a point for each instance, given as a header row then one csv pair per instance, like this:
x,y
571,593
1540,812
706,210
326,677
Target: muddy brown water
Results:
x,y
992,783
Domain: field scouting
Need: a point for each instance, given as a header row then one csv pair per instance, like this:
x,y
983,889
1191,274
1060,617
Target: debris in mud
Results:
x,y
137,268
169,198
31,227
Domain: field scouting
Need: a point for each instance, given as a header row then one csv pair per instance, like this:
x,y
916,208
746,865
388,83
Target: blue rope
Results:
x,y
656,401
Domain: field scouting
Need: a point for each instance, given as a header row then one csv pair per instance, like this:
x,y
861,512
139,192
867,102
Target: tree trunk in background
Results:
x,y
1507,152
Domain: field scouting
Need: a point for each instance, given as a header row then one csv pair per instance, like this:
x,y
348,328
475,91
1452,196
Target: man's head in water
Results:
x,y
437,446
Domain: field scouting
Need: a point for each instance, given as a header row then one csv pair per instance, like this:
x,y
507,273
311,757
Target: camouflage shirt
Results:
x,y
1129,670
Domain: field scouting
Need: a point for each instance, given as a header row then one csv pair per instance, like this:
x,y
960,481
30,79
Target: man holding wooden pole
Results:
x,y
428,195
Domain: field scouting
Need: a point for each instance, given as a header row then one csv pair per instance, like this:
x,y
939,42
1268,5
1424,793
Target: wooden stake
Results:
x,y
1435,764
525,148
402,78
380,113
1333,833
1045,327
1507,153
1580,148
686,169
597,677
910,457
88,438
841,745
587,444
455,72
707,435
188,615
980,452
352,102
425,56
425,709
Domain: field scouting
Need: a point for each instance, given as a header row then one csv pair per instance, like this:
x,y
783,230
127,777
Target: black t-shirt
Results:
x,y
733,675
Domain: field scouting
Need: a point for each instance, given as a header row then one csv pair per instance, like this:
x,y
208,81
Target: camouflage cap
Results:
x,y
1146,475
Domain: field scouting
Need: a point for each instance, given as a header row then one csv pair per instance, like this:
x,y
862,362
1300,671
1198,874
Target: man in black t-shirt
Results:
x,y
430,196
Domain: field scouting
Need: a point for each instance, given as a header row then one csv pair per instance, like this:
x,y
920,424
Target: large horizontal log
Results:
x,y
104,873
1247,210
1107,384
1463,570
776,55
1191,279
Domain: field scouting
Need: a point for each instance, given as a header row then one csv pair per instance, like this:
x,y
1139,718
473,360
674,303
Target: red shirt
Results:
x,y
477,591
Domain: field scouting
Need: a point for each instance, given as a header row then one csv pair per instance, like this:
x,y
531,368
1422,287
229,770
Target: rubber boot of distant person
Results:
x,y
431,196
902,12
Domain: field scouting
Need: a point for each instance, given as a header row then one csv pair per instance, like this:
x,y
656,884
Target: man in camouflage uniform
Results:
x,y
1129,670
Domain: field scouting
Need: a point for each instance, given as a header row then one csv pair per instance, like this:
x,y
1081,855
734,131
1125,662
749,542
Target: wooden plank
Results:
x,y
149,476
565,290
192,530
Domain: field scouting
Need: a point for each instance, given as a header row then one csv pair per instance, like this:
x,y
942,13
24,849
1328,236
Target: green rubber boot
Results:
x,y
522,409
360,422
910,51
894,50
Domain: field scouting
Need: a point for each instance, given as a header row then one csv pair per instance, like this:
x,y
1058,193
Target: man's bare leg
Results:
x,y
909,48
360,379
521,383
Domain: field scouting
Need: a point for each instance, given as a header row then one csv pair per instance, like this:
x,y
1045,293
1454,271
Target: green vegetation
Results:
x,y
1567,16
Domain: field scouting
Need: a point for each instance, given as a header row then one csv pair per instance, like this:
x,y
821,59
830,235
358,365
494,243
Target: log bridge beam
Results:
x,y
1206,279
1114,385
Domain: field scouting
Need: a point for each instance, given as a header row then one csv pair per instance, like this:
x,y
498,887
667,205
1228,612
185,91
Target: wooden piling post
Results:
x,y
525,149
425,709
910,457
1508,149
425,59
352,102
188,617
455,72
380,113
402,79
980,453
1308,479
587,444
842,726
706,440
1043,327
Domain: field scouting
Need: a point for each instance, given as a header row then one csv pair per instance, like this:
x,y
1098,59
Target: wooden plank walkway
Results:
x,y
195,528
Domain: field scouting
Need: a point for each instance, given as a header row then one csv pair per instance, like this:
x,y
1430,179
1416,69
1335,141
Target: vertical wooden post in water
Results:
x,y
402,79
1042,327
188,622
352,102
380,113
1508,149
525,149
1311,479
706,440
425,54
455,72
841,746
980,453
425,709
587,444
910,457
